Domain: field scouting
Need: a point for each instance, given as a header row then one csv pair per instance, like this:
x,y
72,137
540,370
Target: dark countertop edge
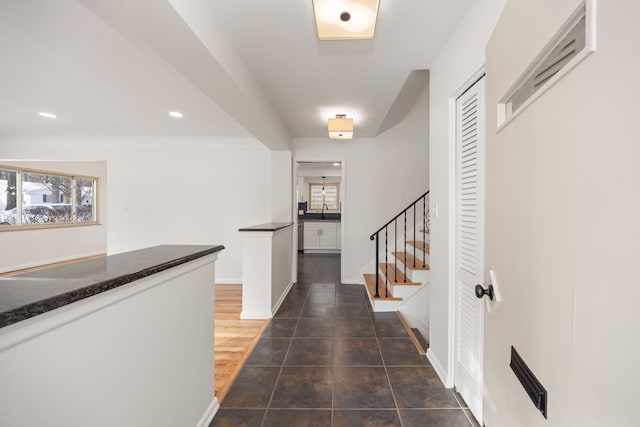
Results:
x,y
269,226
48,304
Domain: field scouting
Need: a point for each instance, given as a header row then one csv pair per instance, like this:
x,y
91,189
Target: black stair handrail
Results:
x,y
398,216
375,236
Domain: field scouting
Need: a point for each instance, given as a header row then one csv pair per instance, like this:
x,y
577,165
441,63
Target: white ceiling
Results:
x,y
59,57
309,81
116,67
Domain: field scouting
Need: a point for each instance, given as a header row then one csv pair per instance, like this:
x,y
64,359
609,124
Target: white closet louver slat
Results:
x,y
468,196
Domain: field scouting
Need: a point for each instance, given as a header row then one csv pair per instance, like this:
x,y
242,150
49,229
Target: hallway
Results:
x,y
327,360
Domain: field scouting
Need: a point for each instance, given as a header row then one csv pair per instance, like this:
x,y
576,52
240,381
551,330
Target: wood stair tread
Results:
x,y
402,256
370,281
423,246
395,275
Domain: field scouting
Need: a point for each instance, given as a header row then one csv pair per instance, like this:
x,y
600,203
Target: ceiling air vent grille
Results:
x,y
564,51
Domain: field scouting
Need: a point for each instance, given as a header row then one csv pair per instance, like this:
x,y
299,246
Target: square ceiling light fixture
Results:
x,y
345,19
341,127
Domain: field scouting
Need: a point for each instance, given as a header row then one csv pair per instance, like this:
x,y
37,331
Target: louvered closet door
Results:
x,y
469,245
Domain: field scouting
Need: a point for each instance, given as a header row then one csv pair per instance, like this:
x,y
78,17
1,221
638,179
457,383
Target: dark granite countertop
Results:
x,y
317,216
29,294
269,226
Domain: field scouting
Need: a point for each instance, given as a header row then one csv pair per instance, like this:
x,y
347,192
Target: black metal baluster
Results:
x,y
414,235
386,262
424,230
377,269
405,245
395,243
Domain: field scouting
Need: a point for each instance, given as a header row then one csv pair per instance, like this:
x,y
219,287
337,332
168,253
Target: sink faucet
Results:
x,y
324,205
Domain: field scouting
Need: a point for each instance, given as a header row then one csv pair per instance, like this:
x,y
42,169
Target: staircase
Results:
x,y
401,257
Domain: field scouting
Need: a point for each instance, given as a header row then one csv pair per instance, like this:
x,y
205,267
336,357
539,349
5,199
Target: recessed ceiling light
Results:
x,y
336,164
345,19
176,114
47,115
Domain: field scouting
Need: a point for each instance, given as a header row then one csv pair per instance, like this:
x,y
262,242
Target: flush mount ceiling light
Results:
x,y
341,127
345,19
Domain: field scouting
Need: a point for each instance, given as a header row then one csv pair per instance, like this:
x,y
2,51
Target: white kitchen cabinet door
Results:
x,y
327,239
311,240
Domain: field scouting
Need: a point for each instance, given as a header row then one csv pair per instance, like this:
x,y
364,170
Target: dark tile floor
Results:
x,y
327,360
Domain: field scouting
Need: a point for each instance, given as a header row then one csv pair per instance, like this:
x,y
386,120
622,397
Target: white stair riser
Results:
x,y
404,291
419,253
413,275
422,276
392,246
385,305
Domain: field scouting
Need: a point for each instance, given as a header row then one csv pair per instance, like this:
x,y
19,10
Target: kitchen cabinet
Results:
x,y
319,235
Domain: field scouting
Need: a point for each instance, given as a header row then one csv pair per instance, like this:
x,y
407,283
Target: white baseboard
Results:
x,y
278,303
352,282
211,412
437,366
223,281
255,315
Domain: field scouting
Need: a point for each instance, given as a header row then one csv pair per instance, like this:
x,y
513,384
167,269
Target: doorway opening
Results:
x,y
319,208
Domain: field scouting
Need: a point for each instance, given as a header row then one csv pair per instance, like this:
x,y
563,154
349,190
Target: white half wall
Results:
x,y
29,248
562,224
137,355
171,190
382,176
267,274
460,58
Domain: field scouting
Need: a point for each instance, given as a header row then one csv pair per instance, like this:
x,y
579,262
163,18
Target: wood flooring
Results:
x,y
234,338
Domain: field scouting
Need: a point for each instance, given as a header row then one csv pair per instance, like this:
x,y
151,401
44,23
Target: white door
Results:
x,y
469,245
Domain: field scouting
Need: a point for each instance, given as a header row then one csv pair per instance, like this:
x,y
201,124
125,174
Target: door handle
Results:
x,y
480,292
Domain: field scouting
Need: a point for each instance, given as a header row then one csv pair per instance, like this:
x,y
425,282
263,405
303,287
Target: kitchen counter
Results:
x,y
269,226
30,294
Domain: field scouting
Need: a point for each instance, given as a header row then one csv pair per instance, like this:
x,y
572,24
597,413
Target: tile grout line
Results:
x,y
386,372
333,368
275,385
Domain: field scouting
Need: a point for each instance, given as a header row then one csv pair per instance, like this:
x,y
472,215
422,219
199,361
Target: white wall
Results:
x,y
382,176
459,59
28,248
281,186
191,191
562,227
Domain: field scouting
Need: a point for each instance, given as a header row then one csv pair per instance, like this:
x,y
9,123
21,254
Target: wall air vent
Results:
x,y
571,44
537,393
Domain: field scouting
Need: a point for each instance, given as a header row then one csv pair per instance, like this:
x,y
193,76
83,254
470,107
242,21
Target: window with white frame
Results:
x,y
324,197
30,198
